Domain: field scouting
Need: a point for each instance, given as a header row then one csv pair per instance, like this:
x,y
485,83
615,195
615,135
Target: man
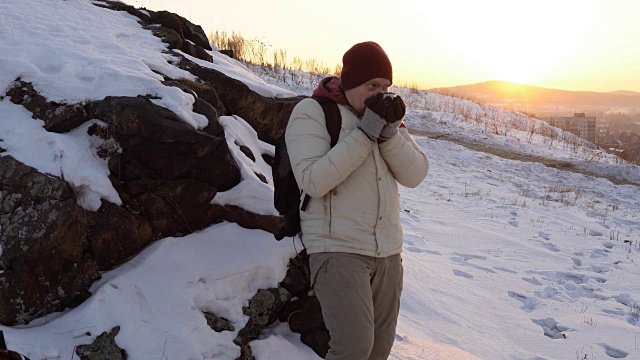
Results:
x,y
351,226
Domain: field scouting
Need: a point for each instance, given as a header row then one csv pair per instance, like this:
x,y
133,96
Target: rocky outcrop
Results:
x,y
304,313
165,172
156,145
45,251
57,117
262,311
267,116
306,320
289,302
178,32
218,324
102,348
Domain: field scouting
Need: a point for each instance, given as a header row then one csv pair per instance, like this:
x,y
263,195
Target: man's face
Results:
x,y
359,94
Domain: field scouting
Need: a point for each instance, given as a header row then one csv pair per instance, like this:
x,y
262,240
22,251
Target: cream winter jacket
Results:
x,y
355,205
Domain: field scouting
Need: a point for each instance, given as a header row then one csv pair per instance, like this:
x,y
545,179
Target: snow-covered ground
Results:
x,y
503,259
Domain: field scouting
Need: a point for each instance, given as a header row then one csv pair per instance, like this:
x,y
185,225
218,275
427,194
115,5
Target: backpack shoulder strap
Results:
x,y
332,117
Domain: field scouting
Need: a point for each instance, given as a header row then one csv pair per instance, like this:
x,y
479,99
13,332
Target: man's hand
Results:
x,y
373,120
394,115
389,130
396,110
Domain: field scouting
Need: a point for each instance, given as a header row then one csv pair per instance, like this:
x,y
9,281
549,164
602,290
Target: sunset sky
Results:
x,y
590,45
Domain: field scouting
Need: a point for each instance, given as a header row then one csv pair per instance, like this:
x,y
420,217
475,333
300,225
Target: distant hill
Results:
x,y
503,92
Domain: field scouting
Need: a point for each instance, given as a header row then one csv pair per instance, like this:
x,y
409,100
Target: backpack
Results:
x,y
287,195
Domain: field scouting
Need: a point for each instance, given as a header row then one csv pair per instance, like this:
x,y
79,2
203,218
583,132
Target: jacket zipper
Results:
x,y
330,212
378,183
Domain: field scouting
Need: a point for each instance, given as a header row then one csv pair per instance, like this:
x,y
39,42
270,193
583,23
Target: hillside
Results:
x,y
502,92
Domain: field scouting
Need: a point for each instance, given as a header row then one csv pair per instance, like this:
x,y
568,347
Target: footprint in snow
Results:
x,y
578,278
574,285
412,216
576,261
551,247
465,257
631,307
462,274
600,269
624,299
613,352
551,328
414,240
617,312
533,281
505,270
513,222
528,304
598,253
595,233
414,249
544,235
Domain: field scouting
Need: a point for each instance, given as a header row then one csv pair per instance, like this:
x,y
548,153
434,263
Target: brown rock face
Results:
x,y
104,347
268,116
158,145
43,235
57,118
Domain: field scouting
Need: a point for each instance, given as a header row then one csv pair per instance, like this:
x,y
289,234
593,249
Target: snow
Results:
x,y
504,259
235,69
71,156
251,193
158,298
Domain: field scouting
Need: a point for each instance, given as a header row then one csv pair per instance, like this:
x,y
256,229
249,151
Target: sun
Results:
x,y
507,40
510,67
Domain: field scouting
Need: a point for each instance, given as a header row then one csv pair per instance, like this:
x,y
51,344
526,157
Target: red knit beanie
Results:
x,y
363,62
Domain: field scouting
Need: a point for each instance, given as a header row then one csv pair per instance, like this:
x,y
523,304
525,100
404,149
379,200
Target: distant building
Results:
x,y
578,124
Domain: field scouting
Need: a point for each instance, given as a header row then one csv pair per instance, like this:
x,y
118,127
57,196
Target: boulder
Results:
x,y
57,117
218,324
268,116
262,310
116,235
301,310
182,26
297,280
45,252
245,353
174,29
158,145
102,348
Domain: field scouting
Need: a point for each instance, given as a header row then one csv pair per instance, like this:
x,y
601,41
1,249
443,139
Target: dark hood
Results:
x,y
330,88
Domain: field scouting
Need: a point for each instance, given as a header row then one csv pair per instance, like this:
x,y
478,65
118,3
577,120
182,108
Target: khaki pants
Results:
x,y
360,298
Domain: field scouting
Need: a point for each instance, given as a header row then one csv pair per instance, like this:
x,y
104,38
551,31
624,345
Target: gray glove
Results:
x,y
372,124
373,120
389,130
